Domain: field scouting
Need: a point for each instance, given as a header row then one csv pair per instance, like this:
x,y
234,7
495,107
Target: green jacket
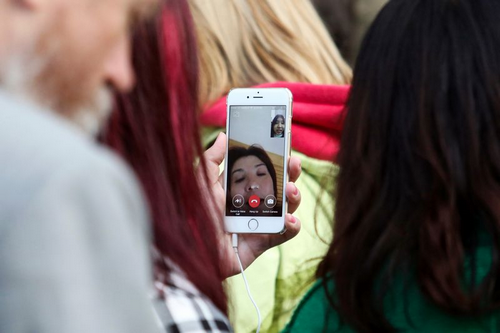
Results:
x,y
314,314
280,277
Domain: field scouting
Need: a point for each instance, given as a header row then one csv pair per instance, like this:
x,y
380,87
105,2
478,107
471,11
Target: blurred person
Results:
x,y
365,12
252,173
416,235
347,22
74,227
156,129
278,127
277,43
245,43
339,17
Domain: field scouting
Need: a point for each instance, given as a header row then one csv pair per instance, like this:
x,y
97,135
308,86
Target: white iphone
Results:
x,y
256,168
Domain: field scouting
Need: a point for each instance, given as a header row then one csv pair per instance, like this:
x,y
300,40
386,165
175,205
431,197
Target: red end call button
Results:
x,y
254,201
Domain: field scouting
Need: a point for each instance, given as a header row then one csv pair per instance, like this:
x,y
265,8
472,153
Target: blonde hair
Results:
x,y
249,42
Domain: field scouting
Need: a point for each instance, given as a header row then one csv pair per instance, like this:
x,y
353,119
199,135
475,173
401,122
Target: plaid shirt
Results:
x,y
181,307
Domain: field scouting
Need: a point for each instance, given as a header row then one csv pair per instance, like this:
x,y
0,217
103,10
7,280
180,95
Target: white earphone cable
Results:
x,y
235,247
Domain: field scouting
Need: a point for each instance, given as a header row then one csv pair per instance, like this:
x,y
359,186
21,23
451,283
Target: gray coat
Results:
x,y
73,231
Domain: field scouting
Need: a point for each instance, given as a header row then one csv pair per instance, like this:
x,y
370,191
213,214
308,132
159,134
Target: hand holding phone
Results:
x,y
251,245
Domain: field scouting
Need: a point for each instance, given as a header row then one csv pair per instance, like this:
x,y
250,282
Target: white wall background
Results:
x,y
252,125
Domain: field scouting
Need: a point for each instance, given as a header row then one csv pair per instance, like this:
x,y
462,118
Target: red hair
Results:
x,y
155,128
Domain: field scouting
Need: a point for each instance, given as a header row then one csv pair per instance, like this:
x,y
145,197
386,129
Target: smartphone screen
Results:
x,y
256,160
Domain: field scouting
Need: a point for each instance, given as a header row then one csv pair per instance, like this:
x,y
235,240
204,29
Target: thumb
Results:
x,y
216,153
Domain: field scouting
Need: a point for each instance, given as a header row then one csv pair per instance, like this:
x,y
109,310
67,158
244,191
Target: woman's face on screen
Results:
x,y
250,176
279,126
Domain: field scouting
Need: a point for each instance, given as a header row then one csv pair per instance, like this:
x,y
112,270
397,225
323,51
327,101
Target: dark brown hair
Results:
x,y
419,180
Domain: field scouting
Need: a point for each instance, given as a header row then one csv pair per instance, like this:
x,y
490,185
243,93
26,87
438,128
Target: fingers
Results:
x,y
215,154
292,225
251,246
294,168
294,197
292,192
221,180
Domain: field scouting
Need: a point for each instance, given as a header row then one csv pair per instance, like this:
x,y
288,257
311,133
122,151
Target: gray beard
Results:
x,y
92,118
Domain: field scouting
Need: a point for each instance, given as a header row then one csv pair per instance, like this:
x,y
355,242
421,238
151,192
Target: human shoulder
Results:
x,y
28,131
44,157
35,143
73,221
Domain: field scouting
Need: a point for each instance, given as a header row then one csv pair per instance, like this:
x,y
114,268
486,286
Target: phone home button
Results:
x,y
253,224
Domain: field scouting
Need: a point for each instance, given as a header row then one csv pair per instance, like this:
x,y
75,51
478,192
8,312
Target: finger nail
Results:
x,y
293,220
296,191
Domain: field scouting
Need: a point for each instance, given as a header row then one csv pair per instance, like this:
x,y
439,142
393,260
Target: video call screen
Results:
x,y
255,161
